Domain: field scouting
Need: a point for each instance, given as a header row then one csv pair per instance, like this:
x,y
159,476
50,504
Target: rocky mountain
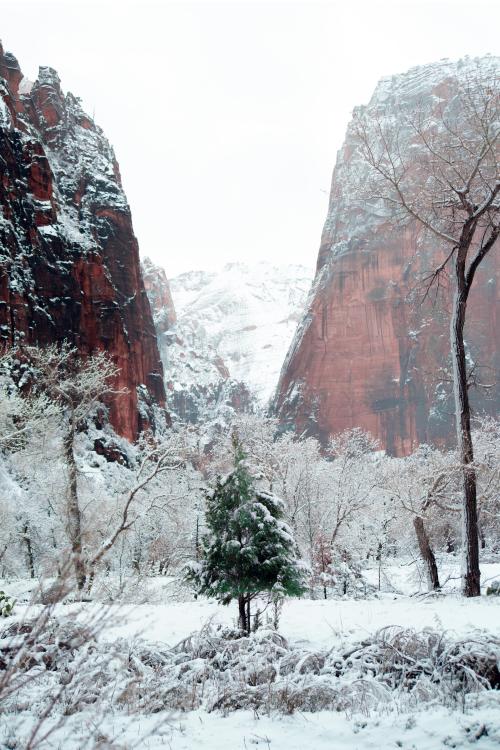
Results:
x,y
367,352
69,259
159,295
224,352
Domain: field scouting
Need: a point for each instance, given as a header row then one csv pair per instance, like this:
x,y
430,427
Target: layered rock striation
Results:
x,y
367,351
69,260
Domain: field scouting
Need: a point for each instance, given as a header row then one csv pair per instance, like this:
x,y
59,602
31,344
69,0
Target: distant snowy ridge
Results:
x,y
233,329
247,314
417,81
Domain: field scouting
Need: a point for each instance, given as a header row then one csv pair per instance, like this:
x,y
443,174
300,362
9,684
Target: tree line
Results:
x,y
119,513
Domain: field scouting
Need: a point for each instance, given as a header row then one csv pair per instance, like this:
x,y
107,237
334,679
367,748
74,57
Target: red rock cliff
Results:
x,y
69,259
365,354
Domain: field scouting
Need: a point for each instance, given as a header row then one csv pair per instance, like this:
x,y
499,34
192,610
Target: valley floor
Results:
x,y
308,625
433,729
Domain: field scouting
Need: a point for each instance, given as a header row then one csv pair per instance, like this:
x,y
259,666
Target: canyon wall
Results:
x,y
369,352
69,260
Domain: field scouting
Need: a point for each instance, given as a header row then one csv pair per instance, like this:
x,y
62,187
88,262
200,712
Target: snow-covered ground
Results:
x,y
433,729
308,625
316,624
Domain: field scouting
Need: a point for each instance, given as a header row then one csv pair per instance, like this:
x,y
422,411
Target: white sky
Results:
x,y
226,117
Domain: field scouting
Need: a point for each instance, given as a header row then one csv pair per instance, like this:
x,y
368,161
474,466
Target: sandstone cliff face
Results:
x,y
366,352
69,259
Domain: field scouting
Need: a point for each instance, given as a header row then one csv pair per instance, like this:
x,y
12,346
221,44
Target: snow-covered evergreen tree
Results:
x,y
249,549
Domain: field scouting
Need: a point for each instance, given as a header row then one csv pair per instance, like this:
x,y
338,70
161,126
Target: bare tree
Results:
x,y
439,167
487,457
20,416
425,485
352,476
75,387
158,457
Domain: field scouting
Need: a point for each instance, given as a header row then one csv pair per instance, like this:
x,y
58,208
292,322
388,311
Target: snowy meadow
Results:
x,y
412,671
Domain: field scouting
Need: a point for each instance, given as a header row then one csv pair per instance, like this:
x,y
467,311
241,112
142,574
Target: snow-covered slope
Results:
x,y
223,346
247,314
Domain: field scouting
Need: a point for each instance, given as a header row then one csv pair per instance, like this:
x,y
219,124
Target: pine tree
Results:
x,y
249,549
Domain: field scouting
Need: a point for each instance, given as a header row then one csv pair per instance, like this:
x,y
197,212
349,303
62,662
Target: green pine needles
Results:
x,y
249,549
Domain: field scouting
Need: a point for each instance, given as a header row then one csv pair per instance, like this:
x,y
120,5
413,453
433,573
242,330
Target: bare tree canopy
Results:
x,y
438,162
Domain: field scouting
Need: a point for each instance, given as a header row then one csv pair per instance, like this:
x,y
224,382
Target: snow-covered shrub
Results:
x,y
53,668
221,669
56,669
225,670
493,589
6,604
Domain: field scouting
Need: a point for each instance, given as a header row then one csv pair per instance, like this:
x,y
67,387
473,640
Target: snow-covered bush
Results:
x,y
54,669
6,604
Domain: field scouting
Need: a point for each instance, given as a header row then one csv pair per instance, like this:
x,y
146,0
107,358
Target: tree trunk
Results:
x,y
29,549
427,554
74,525
242,609
470,546
378,557
90,579
482,537
136,560
197,539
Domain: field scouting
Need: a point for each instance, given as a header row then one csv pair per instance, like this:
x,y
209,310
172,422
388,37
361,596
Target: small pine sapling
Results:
x,y
249,549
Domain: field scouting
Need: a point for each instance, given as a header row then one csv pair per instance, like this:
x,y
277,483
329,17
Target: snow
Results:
x,y
25,86
305,624
315,624
5,117
246,314
324,730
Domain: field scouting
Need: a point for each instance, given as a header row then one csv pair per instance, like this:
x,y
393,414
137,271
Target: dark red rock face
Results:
x,y
69,258
367,353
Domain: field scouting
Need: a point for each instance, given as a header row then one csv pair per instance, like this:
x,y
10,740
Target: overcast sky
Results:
x,y
226,117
